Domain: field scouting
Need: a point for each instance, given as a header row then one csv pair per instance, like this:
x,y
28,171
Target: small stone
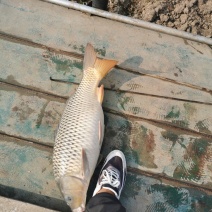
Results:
x,y
185,10
135,16
183,27
193,23
149,15
170,24
179,8
158,22
158,9
183,18
194,30
176,23
193,2
164,18
200,2
188,29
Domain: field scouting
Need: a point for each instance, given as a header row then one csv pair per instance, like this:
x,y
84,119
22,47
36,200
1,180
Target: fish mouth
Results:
x,y
74,191
80,209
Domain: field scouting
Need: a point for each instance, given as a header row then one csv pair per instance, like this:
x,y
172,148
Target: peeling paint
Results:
x,y
202,127
143,144
174,113
64,65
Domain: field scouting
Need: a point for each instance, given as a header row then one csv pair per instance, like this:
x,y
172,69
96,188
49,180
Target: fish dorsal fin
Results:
x,y
89,58
103,66
85,165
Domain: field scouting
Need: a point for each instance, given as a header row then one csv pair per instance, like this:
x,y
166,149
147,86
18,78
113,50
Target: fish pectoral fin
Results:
x,y
85,164
89,58
100,94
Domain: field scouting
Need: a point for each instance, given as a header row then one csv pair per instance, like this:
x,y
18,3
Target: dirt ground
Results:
x,y
194,16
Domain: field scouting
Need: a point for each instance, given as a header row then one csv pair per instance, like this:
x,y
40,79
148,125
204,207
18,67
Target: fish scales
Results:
x,y
80,133
77,124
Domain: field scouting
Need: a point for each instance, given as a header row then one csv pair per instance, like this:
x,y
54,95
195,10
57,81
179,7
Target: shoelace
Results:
x,y
110,176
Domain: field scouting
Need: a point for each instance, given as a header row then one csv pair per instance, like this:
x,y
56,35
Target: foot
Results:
x,y
113,174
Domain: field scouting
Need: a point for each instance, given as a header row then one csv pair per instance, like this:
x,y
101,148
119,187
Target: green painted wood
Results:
x,y
37,66
26,173
155,68
30,170
160,149
182,114
147,194
149,147
145,51
21,160
29,116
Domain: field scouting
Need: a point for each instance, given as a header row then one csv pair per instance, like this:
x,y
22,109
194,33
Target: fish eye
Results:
x,y
68,198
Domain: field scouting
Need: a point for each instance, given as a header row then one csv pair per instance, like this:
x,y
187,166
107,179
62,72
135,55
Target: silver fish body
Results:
x,y
80,134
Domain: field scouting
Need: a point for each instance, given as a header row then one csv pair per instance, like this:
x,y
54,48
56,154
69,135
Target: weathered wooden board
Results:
x,y
146,194
30,169
158,102
26,173
186,115
9,205
142,50
160,149
37,66
148,146
29,115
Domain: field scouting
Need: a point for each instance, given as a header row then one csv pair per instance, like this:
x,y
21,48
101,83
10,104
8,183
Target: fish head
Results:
x,y
74,192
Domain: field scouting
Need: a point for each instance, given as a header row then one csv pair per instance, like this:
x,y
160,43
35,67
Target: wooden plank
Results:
x,y
187,115
146,194
142,50
37,66
160,149
26,173
149,146
7,205
34,170
30,116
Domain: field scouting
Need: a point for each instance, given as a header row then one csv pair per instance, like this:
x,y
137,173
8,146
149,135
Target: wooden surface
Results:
x,y
157,106
8,205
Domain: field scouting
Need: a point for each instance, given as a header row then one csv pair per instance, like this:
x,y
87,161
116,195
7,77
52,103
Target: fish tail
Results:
x,y
102,66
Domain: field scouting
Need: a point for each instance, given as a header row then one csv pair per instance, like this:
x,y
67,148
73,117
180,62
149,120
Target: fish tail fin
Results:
x,y
102,66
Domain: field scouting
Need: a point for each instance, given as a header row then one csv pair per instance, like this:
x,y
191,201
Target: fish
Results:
x,y
80,133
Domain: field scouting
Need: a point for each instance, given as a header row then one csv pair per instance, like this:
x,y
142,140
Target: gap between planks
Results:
x,y
132,117
27,42
161,177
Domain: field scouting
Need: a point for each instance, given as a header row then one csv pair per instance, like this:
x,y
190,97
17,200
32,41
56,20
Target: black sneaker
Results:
x,y
113,173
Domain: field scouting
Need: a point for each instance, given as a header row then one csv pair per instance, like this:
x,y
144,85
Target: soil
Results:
x,y
194,16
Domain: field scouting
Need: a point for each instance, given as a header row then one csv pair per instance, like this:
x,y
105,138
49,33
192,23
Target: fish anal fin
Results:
x,y
89,58
100,94
103,66
85,164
